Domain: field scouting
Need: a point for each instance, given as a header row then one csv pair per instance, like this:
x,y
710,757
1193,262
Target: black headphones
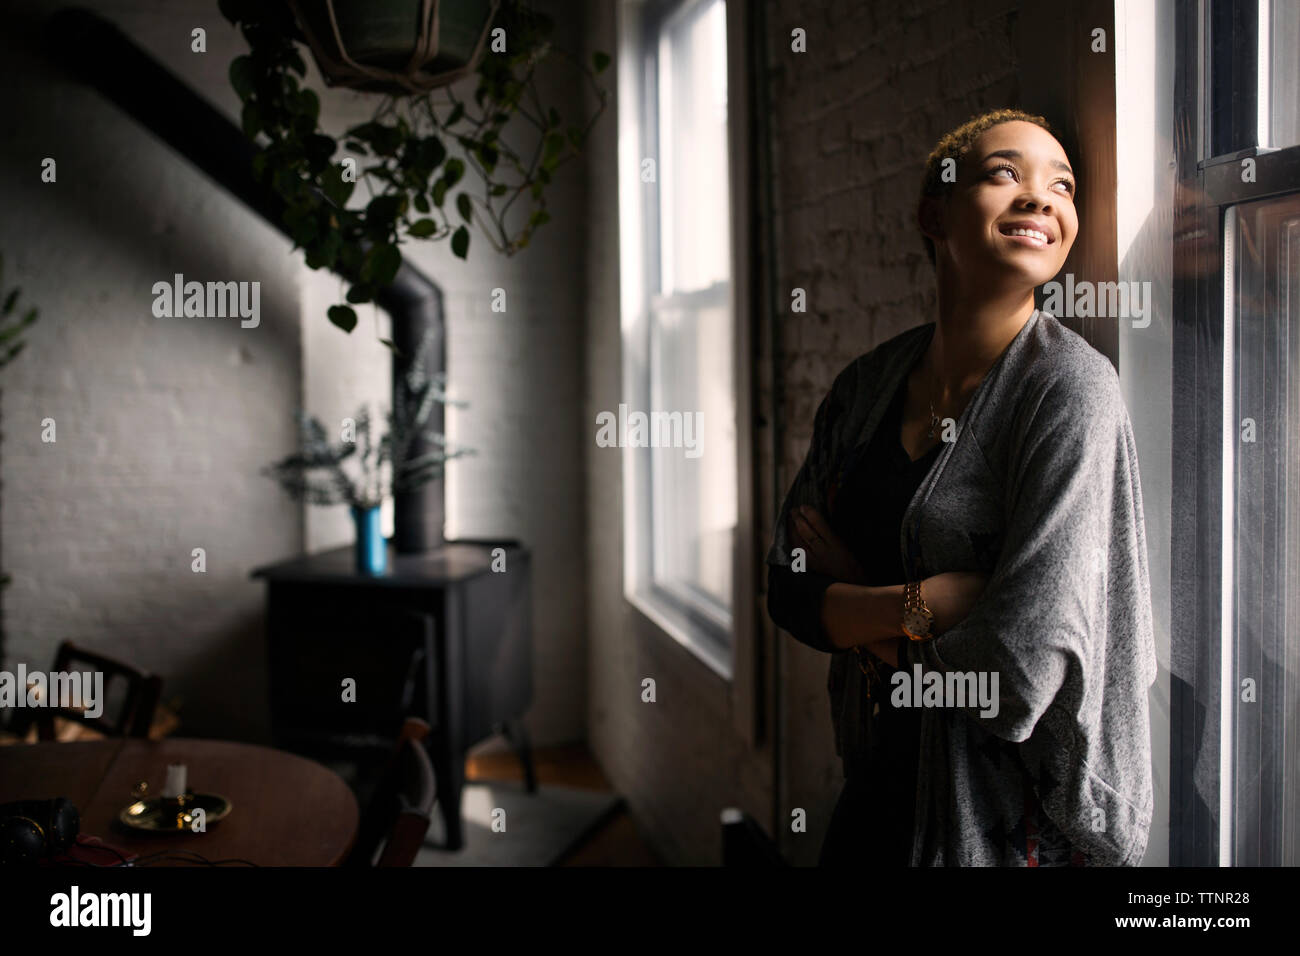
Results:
x,y
31,829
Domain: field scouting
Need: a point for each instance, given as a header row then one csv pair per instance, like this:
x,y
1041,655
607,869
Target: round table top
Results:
x,y
286,810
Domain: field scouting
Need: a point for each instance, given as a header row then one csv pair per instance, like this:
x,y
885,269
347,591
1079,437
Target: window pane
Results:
x,y
693,197
694,492
1266,612
1284,91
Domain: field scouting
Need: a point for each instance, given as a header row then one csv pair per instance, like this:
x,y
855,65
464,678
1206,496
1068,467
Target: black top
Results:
x,y
867,515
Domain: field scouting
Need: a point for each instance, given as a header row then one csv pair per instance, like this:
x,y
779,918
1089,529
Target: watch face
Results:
x,y
916,622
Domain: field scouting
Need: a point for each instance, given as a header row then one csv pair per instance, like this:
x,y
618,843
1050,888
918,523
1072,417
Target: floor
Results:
x,y
617,843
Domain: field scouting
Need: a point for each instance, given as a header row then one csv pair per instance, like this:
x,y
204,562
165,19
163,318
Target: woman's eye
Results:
x,y
1068,184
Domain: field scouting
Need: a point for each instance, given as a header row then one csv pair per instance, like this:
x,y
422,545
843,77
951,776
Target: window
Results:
x,y
681,473
1236,629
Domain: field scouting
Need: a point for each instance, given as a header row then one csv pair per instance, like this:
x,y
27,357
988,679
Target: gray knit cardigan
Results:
x,y
1038,488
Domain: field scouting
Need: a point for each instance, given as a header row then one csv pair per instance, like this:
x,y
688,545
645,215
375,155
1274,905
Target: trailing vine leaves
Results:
x,y
402,155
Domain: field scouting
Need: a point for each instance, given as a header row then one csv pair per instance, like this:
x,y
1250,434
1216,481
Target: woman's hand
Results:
x,y
951,596
827,554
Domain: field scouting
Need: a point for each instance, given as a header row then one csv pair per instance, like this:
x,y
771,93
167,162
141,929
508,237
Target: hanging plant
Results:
x,y
401,156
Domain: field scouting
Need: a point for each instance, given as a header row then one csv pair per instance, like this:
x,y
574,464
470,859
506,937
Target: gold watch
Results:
x,y
917,617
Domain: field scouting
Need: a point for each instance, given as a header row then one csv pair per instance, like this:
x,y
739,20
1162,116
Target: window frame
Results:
x,y
1202,635
738,662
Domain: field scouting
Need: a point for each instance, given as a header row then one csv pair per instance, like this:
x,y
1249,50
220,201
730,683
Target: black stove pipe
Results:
x,y
101,55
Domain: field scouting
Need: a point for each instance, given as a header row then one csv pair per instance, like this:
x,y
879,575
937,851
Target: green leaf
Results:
x,y
319,150
251,120
430,153
460,242
381,265
243,76
452,171
336,189
465,207
599,61
456,114
384,210
539,218
322,253
391,347
499,189
439,192
306,103
361,292
423,228
343,317
10,300
421,202
384,140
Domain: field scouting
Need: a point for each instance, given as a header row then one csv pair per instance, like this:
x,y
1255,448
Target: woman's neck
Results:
x,y
968,338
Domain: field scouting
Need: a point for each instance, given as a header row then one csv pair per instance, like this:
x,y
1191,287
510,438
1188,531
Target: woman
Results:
x,y
965,539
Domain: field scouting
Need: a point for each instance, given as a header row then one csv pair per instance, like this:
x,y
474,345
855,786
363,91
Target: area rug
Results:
x,y
540,828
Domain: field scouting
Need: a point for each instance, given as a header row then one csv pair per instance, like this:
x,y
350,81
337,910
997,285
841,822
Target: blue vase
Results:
x,y
371,550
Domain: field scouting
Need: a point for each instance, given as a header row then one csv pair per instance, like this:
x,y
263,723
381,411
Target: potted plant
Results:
x,y
402,157
319,474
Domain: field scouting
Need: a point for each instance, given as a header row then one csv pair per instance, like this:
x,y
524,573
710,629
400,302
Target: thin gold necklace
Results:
x,y
934,419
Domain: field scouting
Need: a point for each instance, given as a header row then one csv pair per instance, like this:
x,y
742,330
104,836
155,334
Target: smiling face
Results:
x,y
1010,216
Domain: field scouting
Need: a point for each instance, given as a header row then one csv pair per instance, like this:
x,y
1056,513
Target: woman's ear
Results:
x,y
929,216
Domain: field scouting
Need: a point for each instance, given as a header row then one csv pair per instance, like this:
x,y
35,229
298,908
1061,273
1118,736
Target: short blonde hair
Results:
x,y
955,144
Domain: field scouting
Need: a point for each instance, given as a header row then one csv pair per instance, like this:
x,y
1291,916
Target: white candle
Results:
x,y
175,785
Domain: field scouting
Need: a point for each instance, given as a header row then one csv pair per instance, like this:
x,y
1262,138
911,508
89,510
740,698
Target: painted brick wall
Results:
x,y
164,424
161,423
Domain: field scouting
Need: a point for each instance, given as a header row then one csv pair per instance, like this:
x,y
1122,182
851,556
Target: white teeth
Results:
x,y
1032,233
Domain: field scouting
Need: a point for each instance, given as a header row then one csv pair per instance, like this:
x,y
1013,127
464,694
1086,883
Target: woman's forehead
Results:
x,y
1032,142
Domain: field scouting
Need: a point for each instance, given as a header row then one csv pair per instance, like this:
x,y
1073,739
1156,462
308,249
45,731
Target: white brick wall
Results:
x,y
164,424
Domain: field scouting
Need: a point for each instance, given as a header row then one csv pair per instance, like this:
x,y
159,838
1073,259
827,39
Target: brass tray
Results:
x,y
167,815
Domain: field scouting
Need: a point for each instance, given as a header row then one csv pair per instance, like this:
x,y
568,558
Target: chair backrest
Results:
x,y
398,816
135,704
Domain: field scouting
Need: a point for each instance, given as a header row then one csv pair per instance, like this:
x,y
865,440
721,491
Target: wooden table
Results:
x,y
286,810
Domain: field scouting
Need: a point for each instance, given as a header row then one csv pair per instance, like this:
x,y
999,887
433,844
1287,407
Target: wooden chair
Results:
x,y
398,815
132,719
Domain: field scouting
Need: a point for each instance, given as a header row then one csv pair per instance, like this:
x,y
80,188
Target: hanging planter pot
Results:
x,y
395,46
